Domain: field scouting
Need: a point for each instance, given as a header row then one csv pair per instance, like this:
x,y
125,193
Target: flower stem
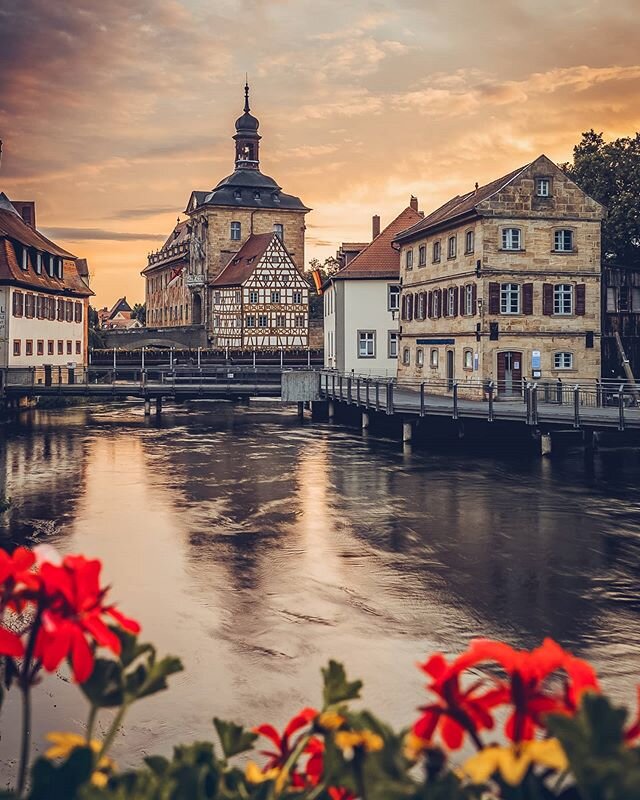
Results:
x,y
24,682
91,722
113,730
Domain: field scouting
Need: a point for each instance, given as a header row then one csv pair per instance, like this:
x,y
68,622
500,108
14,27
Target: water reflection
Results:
x,y
256,548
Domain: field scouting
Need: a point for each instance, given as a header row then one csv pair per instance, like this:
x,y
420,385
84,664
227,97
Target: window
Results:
x,y
236,231
509,298
281,321
250,321
563,360
406,356
253,296
366,344
420,305
511,239
60,310
563,241
436,251
275,297
69,347
69,310
422,255
452,247
468,300
40,347
39,306
16,347
77,348
635,299
263,321
60,347
50,347
392,344
563,298
420,357
237,296
297,298
409,259
436,304
433,359
543,187
393,297
28,349
59,267
278,229
38,265
468,242
451,302
299,321
467,359
18,304
623,298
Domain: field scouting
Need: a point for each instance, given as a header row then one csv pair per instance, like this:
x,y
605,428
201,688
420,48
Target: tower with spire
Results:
x,y
247,138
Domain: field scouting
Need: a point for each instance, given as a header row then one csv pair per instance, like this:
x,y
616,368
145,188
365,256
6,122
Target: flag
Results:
x,y
317,280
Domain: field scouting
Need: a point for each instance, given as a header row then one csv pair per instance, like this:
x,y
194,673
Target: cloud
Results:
x,y
99,234
142,213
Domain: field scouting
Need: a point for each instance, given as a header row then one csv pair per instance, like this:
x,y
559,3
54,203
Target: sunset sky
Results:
x,y
112,111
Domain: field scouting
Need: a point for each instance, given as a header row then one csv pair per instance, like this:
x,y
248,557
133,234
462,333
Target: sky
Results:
x,y
113,111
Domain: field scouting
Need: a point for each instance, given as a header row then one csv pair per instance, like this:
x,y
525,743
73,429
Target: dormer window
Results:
x,y
276,197
25,259
59,268
543,187
256,195
38,263
236,231
237,194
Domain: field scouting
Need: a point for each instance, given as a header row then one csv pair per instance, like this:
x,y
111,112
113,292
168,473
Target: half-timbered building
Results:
x,y
260,300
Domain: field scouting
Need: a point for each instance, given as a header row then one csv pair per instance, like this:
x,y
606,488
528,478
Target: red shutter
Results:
x,y
474,299
494,298
547,299
429,304
581,299
462,307
527,298
455,302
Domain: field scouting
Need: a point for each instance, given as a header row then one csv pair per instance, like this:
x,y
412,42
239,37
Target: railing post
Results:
x,y
491,388
527,402
576,406
390,398
534,404
455,400
621,408
349,391
422,403
598,393
358,391
333,385
559,392
367,384
340,386
377,396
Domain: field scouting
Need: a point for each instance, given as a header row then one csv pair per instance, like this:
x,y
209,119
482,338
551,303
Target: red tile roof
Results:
x,y
379,259
14,229
461,204
241,266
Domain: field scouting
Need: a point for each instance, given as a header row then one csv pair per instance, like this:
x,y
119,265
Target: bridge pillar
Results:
x,y
407,432
147,407
545,444
331,410
158,405
365,420
301,410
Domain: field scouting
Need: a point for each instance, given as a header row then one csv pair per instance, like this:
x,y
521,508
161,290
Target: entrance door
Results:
x,y
196,310
450,369
510,373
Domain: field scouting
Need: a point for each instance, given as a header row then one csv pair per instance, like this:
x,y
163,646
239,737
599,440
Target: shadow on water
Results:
x,y
256,548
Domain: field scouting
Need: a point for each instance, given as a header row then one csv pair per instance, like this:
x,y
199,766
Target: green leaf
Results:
x,y
157,764
337,689
130,648
233,738
104,688
51,782
156,676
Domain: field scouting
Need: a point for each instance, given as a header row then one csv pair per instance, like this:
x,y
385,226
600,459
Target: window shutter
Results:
x,y
547,299
527,298
494,298
429,304
455,302
444,302
474,299
410,307
581,299
461,304
403,307
438,296
424,305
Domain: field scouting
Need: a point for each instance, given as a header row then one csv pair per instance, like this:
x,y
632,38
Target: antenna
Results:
x,y
0,153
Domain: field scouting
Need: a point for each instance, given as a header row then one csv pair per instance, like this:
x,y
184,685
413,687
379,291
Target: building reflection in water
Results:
x,y
256,549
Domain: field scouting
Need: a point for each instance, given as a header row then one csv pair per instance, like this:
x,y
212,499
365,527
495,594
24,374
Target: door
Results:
x,y
47,375
510,373
450,369
196,310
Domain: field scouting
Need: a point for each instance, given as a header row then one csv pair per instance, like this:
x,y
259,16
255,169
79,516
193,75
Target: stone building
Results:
x,y
503,284
260,299
179,278
44,299
620,314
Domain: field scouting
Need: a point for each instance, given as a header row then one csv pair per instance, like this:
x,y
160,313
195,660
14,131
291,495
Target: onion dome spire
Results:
x,y
247,137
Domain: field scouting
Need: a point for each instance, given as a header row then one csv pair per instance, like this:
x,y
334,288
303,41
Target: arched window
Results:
x,y
236,231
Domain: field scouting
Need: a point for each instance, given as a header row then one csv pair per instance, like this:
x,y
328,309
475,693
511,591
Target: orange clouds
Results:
x,y
113,112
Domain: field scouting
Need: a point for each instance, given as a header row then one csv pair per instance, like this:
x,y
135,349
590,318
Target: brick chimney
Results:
x,y
414,202
375,226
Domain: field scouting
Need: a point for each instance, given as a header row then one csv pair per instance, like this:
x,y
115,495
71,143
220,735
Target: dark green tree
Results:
x,y
327,268
610,173
140,312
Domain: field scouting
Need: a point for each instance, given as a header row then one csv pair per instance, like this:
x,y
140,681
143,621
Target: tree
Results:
x,y
94,322
610,173
140,313
327,268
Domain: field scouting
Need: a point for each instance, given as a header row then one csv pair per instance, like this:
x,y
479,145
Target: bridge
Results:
x,y
186,337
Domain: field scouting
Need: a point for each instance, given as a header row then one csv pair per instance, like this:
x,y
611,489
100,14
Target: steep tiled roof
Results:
x,y
379,259
14,229
461,204
245,260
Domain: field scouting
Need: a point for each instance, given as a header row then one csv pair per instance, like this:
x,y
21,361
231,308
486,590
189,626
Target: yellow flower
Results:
x,y
63,744
254,774
414,746
513,762
348,741
330,721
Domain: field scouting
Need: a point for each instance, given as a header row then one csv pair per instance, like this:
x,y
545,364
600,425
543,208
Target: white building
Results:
x,y
44,299
362,305
260,301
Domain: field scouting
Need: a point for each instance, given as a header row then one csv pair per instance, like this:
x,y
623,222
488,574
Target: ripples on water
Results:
x,y
256,548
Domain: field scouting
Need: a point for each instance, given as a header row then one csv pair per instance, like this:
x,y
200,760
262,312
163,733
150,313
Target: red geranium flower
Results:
x,y
340,793
528,672
74,609
286,743
633,731
16,576
457,711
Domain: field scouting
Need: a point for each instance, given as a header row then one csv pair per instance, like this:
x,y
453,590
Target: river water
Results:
x,y
256,547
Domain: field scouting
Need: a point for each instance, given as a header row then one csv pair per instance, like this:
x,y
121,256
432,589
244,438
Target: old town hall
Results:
x,y
183,278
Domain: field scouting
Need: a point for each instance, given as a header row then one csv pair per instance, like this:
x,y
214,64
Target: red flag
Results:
x,y
317,280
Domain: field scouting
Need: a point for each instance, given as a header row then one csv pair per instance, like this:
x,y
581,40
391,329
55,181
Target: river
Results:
x,y
256,547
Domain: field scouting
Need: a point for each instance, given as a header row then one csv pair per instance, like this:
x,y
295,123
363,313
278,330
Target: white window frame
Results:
x,y
297,297
408,262
275,293
469,242
452,246
543,187
508,293
250,321
468,300
235,231
420,357
392,344
422,255
406,357
451,301
435,304
467,355
434,357
393,297
563,360
254,297
263,320
563,299
561,237
437,251
512,239
278,229
366,344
